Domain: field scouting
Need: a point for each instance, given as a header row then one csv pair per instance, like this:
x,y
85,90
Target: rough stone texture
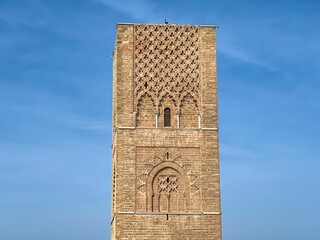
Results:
x,y
166,180
163,227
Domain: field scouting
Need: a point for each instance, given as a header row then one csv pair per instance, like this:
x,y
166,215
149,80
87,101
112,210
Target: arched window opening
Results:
x,y
168,188
167,117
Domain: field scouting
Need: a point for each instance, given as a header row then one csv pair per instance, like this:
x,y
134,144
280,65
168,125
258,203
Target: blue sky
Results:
x,y
55,118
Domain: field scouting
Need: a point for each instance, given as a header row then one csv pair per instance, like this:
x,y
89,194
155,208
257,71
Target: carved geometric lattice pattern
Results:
x,y
167,184
163,157
166,59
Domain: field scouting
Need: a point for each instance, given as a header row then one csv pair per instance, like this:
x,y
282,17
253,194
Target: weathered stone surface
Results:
x,y
166,179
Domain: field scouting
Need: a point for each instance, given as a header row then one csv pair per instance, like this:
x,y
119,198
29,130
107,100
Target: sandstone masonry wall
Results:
x,y
166,179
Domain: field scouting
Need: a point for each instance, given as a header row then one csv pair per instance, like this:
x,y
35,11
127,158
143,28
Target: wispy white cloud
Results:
x,y
72,120
244,56
141,10
44,107
236,151
85,124
33,18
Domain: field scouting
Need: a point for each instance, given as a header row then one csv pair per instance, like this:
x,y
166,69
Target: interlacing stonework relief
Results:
x,y
167,183
166,64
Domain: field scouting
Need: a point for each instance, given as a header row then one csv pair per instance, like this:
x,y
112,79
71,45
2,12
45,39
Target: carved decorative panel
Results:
x,y
166,63
167,182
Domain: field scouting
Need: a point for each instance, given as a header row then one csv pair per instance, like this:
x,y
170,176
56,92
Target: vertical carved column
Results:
x,y
157,119
135,119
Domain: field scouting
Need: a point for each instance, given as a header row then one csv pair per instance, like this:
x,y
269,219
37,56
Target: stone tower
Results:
x,y
166,177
